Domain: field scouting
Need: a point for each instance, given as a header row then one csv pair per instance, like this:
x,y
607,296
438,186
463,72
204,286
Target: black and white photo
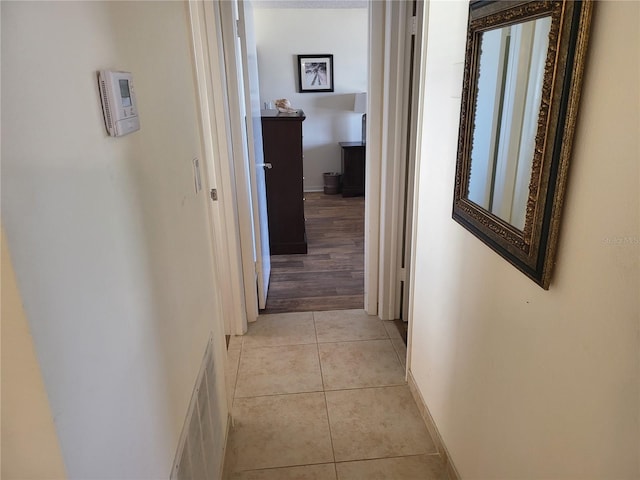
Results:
x,y
315,73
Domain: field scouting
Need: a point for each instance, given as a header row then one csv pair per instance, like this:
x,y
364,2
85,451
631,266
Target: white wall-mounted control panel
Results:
x,y
118,102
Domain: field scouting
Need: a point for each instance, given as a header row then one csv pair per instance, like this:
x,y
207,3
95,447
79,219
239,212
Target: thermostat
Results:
x,y
118,102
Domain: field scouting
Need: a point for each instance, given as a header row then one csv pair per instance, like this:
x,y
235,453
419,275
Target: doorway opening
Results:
x,y
330,275
388,146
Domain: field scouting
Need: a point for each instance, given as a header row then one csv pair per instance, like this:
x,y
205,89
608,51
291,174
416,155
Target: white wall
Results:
x,y
526,383
109,241
28,431
282,34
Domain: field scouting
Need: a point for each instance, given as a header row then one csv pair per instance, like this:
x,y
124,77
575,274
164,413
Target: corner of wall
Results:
x,y
28,430
432,428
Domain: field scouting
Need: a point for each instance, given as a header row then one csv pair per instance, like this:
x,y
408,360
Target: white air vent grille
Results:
x,y
105,105
200,450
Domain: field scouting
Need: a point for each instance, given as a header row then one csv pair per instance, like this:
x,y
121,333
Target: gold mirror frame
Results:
x,y
532,249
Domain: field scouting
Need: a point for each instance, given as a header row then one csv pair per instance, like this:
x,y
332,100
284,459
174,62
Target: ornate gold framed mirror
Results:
x,y
522,81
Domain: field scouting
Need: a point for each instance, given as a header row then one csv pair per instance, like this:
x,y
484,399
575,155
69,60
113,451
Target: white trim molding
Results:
x,y
388,153
219,170
374,155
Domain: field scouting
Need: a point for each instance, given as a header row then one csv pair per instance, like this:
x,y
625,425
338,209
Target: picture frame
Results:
x,y
315,73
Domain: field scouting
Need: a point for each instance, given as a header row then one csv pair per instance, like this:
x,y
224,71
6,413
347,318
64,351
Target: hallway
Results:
x,y
322,395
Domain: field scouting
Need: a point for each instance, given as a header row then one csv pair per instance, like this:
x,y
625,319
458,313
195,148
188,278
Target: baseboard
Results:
x,y
313,189
431,427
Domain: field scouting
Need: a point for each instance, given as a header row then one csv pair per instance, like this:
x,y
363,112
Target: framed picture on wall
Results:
x,y
315,73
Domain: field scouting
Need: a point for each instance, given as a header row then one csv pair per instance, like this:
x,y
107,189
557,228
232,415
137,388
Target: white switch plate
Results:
x,y
196,174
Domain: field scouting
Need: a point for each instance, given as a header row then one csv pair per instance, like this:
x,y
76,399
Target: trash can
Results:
x,y
331,183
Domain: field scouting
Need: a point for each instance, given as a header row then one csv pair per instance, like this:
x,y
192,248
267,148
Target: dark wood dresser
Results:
x,y
353,168
282,143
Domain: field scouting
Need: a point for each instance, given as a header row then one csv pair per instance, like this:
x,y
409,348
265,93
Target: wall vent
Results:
x,y
201,445
105,104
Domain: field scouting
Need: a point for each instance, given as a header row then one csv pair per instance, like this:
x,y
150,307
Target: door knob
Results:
x,y
265,165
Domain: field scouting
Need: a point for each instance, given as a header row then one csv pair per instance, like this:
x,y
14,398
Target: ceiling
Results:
x,y
310,3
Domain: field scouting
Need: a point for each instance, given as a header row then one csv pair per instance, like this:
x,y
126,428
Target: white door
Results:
x,y
256,155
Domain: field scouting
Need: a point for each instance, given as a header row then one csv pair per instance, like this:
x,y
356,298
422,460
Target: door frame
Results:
x,y
392,155
229,231
238,155
384,202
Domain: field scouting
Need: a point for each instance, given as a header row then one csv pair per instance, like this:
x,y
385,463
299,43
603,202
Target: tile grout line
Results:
x,y
297,465
355,341
264,395
315,330
284,345
368,386
388,458
235,384
324,394
345,389
402,363
336,462
231,427
333,450
360,341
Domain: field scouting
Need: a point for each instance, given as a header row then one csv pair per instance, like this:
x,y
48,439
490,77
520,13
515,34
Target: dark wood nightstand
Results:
x,y
353,167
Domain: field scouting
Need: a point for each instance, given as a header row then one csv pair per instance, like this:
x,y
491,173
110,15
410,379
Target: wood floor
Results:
x,y
331,275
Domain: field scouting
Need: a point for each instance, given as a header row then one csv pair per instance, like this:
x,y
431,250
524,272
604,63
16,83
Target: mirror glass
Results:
x,y
509,88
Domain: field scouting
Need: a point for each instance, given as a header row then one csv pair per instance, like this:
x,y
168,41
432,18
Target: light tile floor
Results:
x,y
322,396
